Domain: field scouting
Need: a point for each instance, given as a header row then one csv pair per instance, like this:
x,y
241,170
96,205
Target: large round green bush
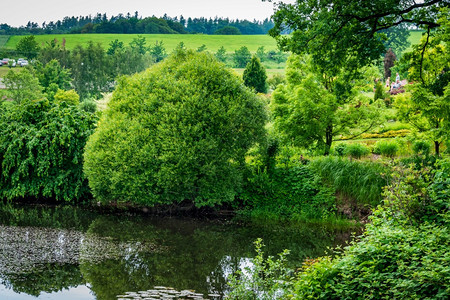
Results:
x,y
178,131
41,150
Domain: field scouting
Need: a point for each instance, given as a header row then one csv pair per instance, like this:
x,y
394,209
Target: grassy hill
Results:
x,y
191,41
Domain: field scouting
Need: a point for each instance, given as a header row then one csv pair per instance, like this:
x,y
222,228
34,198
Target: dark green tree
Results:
x,y
255,75
158,51
28,47
179,131
241,57
221,54
228,30
90,70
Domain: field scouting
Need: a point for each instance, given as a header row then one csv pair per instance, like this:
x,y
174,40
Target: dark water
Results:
x,y
71,253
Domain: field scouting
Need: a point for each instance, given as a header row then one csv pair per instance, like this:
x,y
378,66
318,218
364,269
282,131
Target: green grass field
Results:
x,y
414,38
191,41
3,40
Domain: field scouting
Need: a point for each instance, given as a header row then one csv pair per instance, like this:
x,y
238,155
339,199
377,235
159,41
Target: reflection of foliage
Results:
x,y
51,278
121,253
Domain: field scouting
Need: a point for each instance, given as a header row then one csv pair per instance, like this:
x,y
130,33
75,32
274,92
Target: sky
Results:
x,y
19,12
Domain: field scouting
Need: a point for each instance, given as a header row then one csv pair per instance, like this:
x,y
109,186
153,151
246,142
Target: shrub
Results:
x,y
340,149
386,148
41,151
421,148
179,131
356,150
255,76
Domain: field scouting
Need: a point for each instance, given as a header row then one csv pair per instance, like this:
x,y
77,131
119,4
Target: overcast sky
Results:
x,y
19,12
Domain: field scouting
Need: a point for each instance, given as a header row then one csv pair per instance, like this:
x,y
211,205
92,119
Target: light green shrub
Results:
x,y
178,131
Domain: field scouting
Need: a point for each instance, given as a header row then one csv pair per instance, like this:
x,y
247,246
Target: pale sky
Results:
x,y
19,12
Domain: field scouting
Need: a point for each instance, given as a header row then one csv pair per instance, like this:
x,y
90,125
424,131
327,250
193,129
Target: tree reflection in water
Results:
x,y
48,249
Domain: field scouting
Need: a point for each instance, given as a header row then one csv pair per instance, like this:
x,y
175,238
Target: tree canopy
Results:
x,y
178,131
341,32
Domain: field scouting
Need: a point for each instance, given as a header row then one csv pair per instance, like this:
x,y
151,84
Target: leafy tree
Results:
x,y
53,73
179,131
340,33
158,51
311,109
255,76
221,54
90,70
114,46
427,106
241,57
41,148
22,86
28,47
261,53
54,50
138,44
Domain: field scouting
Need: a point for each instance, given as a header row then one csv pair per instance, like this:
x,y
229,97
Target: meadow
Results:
x,y
170,41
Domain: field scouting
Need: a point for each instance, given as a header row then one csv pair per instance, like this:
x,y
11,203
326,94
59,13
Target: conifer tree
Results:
x,y
255,75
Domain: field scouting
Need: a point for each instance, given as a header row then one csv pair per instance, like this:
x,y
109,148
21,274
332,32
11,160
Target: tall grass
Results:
x,y
361,181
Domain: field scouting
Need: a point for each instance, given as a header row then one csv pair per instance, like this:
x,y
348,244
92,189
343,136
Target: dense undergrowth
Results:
x,y
403,254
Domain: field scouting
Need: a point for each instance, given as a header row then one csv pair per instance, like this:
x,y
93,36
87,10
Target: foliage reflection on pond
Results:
x,y
48,249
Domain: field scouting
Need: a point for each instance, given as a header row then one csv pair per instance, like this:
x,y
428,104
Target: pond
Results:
x,y
75,253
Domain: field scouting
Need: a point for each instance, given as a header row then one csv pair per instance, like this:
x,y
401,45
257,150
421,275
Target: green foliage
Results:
x,y
28,46
403,254
386,148
266,279
228,30
52,73
379,91
288,193
241,57
362,181
69,97
356,150
22,86
338,33
157,51
275,81
421,148
178,131
427,106
311,109
221,54
90,71
138,44
41,151
255,76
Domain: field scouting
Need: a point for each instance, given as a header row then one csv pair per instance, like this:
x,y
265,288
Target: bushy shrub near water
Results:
x,y
362,181
386,148
286,194
178,131
41,150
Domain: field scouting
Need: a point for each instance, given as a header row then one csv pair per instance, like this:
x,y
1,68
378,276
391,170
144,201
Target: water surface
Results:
x,y
73,253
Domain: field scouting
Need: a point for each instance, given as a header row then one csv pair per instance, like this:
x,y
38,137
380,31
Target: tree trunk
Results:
x,y
436,148
328,139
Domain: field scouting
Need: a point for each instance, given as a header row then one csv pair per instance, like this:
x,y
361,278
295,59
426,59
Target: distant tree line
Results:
x,y
101,23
